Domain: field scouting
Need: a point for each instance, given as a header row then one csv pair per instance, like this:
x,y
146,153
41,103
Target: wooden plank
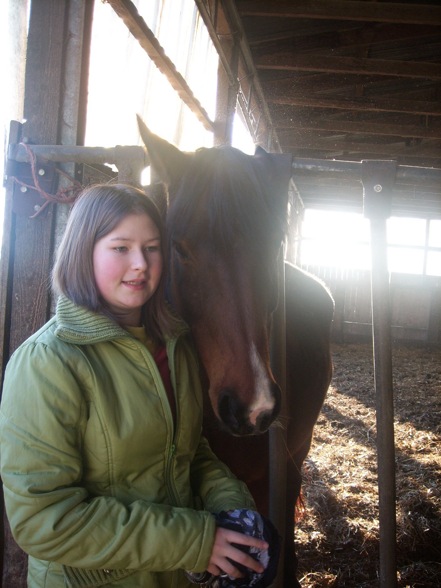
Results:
x,y
415,305
362,104
349,65
367,150
434,330
354,127
411,307
44,73
28,301
129,14
354,10
50,107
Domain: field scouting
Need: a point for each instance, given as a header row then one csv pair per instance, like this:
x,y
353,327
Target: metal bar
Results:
x,y
277,435
130,160
77,154
353,170
378,178
405,174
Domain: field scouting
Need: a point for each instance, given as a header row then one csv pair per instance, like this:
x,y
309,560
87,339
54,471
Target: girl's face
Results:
x,y
127,265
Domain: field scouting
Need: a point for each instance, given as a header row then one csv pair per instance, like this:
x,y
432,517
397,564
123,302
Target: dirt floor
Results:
x,y
337,536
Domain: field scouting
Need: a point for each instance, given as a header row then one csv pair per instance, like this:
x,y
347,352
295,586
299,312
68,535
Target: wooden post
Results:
x,y
227,82
378,179
51,104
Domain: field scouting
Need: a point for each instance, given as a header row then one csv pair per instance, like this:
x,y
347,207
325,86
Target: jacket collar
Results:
x,y
80,326
76,324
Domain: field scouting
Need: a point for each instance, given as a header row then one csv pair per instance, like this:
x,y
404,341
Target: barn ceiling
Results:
x,y
352,80
334,82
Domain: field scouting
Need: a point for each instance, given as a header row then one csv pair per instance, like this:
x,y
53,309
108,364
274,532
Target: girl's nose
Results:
x,y
139,260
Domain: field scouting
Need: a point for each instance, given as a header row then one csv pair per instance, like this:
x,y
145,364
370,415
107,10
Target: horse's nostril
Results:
x,y
235,416
227,406
232,413
264,421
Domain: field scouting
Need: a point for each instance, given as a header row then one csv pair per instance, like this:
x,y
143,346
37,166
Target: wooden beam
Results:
x,y
337,146
349,35
43,83
284,125
54,55
349,65
129,14
316,182
342,10
339,143
360,86
363,104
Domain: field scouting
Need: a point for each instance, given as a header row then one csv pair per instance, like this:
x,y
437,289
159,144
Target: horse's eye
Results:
x,y
180,250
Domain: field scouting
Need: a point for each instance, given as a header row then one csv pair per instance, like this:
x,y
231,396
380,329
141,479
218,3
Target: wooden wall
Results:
x,y
415,303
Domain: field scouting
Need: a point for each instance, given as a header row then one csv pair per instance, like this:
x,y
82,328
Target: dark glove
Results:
x,y
253,524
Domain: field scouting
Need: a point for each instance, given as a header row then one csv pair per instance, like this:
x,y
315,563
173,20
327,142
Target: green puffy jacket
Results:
x,y
97,479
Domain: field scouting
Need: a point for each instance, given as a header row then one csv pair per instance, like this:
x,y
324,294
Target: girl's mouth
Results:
x,y
134,283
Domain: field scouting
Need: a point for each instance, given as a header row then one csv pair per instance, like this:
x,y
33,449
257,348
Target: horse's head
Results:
x,y
226,221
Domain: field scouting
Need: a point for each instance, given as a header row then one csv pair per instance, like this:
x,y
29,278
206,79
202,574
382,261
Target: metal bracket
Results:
x,y
130,160
27,200
378,179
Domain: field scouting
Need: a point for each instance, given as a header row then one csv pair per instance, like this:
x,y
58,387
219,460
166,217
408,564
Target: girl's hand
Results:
x,y
223,551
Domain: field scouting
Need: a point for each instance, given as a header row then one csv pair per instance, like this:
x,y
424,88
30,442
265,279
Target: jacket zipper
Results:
x,y
172,450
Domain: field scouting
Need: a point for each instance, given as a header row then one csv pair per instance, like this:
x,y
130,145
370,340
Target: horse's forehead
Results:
x,y
223,200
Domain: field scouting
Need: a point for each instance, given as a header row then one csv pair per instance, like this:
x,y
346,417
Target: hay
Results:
x,y
337,536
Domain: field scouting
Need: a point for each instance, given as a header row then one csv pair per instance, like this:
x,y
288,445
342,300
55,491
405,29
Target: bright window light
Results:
x,y
405,260
435,233
241,138
433,263
335,239
342,240
123,81
406,231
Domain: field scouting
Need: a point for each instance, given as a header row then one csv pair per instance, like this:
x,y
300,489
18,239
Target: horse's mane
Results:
x,y
229,194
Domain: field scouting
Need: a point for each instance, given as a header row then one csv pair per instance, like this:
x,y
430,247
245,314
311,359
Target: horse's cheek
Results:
x,y
185,293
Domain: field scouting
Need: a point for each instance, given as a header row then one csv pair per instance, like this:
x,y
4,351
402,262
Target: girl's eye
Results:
x,y
120,249
152,249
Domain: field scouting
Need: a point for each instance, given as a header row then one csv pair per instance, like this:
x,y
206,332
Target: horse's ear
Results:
x,y
167,161
158,193
260,150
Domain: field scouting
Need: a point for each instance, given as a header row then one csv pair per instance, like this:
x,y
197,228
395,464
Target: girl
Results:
x,y
107,479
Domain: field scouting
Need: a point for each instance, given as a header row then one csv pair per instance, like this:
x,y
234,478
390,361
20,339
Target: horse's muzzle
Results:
x,y
235,415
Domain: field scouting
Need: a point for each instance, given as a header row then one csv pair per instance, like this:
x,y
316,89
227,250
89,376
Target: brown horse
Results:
x,y
226,219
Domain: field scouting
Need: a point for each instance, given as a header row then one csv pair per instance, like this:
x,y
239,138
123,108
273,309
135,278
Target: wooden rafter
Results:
x,y
350,65
128,12
342,10
362,104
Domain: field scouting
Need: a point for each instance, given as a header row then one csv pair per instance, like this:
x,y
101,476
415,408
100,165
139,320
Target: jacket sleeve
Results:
x,y
52,517
215,484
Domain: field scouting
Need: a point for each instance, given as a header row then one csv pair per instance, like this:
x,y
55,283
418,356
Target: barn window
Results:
x,y
241,138
124,81
335,239
341,240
